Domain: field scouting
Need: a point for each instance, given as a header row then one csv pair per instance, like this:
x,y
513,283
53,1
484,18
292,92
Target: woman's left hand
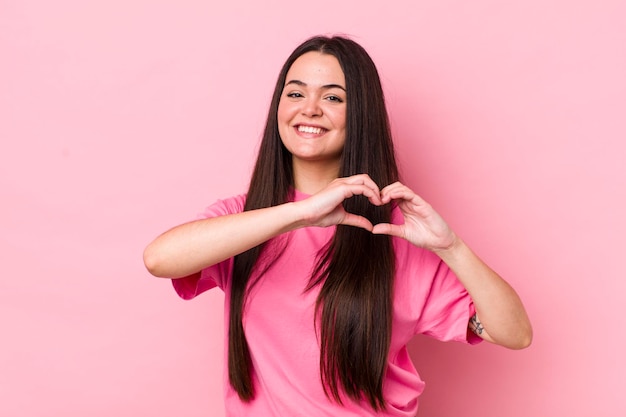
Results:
x,y
423,226
503,319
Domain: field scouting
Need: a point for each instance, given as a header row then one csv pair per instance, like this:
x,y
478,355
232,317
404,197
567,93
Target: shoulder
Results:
x,y
222,207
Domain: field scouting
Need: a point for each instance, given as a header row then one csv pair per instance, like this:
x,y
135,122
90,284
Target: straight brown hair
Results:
x,y
356,268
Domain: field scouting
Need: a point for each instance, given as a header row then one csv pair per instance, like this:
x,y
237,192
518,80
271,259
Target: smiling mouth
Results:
x,y
311,129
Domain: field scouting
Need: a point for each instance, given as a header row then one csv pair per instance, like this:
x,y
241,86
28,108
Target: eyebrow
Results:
x,y
325,87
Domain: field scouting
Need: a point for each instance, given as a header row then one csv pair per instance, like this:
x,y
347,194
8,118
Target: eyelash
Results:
x,y
329,98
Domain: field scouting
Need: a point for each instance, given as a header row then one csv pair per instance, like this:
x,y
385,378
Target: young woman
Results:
x,y
329,264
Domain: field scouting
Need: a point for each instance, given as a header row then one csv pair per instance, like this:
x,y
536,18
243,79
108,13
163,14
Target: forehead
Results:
x,y
316,68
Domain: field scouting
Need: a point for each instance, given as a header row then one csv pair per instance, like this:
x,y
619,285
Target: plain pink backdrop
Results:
x,y
119,119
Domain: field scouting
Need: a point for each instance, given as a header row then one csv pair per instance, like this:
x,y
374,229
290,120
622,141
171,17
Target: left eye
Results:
x,y
334,98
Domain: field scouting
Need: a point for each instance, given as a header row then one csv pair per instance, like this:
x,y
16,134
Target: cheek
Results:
x,y
280,114
283,122
339,119
284,112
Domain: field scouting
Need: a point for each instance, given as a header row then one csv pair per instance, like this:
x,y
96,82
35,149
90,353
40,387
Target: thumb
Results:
x,y
350,219
388,229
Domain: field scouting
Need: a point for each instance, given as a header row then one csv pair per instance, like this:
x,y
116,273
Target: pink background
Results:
x,y
119,119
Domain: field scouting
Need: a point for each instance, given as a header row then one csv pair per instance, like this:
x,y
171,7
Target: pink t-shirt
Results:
x,y
279,324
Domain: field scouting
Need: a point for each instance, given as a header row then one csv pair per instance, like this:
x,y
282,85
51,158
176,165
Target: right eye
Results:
x,y
294,95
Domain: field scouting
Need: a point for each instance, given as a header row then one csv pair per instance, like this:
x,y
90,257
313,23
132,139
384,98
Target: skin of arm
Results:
x,y
500,315
190,247
187,249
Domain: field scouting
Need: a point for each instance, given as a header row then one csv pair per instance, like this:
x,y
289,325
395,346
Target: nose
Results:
x,y
311,107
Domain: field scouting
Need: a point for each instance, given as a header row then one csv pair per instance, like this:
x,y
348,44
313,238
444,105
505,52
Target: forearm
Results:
x,y
191,247
498,306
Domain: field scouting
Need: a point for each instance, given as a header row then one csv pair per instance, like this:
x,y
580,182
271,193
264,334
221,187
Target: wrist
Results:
x,y
454,247
295,215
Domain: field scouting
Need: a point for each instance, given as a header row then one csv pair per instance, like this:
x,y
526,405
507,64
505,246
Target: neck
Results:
x,y
311,177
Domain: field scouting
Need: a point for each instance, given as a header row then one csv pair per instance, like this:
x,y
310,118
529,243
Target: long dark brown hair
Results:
x,y
355,270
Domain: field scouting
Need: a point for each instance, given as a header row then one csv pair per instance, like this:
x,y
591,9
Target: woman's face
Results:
x,y
312,109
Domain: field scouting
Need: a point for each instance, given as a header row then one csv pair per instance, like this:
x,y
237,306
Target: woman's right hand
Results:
x,y
325,208
190,247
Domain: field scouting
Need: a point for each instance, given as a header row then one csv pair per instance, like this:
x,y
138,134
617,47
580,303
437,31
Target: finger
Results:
x,y
399,191
396,191
388,229
355,220
372,194
391,186
360,178
363,179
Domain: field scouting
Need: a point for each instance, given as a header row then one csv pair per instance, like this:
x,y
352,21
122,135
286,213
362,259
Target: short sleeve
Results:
x,y
448,307
429,298
216,275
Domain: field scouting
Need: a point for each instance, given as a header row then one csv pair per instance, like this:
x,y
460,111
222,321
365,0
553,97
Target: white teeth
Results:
x,y
309,129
